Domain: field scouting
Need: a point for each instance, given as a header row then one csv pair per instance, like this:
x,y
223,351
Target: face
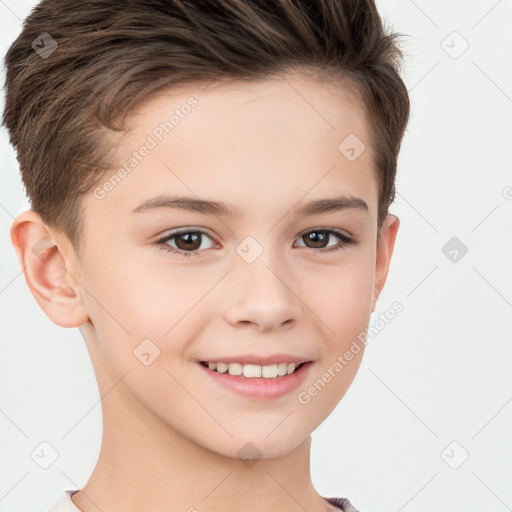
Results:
x,y
285,270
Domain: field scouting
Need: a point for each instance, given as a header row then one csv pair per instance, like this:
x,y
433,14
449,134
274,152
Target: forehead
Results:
x,y
267,142
317,101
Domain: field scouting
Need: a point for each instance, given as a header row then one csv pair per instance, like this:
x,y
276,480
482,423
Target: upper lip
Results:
x,y
258,359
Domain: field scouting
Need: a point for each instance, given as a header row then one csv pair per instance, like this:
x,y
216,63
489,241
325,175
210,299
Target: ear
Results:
x,y
50,269
385,245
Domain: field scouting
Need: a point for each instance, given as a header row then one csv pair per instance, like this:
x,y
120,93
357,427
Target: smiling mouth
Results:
x,y
272,371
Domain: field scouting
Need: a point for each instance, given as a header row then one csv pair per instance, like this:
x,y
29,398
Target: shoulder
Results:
x,y
343,504
65,503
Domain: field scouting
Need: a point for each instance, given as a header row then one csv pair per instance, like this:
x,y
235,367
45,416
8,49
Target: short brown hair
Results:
x,y
62,110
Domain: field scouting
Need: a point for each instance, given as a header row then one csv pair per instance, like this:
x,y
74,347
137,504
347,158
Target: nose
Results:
x,y
262,295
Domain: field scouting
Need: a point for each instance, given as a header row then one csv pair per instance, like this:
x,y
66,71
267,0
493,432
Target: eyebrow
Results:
x,y
218,208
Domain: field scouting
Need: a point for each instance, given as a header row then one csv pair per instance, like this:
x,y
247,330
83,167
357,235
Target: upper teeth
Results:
x,y
254,370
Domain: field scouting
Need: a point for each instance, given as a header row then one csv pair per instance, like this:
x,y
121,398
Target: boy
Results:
x,y
210,184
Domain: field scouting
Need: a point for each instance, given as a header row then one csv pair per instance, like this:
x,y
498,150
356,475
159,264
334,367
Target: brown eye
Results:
x,y
186,243
319,239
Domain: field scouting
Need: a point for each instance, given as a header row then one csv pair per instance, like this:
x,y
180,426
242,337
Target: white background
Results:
x,y
439,373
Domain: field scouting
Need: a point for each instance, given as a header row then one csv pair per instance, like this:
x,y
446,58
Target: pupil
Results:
x,y
190,240
317,237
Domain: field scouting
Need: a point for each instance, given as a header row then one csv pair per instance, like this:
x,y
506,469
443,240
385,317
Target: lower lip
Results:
x,y
259,387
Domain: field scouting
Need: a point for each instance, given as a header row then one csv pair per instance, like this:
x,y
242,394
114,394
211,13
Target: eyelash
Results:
x,y
345,239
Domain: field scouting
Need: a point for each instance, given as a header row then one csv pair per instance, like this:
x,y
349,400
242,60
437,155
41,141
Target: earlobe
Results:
x,y
385,246
43,262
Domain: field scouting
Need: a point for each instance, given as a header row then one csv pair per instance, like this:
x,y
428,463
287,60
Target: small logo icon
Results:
x,y
146,352
249,249
44,455
454,45
455,455
44,45
249,454
454,249
40,249
352,147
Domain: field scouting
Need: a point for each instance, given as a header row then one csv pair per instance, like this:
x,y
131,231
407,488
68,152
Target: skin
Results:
x,y
170,436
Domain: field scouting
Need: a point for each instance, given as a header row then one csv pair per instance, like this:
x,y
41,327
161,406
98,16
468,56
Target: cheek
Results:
x,y
341,296
144,295
141,315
